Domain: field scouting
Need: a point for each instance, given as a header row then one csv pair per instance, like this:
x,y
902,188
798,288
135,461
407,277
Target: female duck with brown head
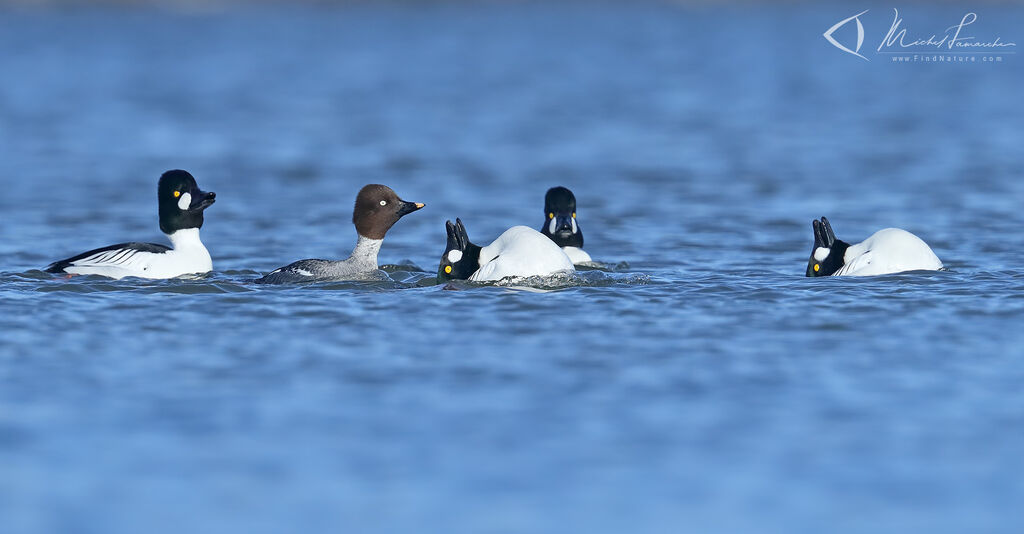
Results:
x,y
377,209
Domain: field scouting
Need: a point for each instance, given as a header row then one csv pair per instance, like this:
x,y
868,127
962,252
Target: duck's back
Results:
x,y
891,250
521,251
316,270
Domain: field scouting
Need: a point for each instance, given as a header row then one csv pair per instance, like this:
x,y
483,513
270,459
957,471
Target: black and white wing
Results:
x,y
114,261
300,271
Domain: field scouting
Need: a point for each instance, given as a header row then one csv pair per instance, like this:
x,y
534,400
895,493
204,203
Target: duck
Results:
x,y
181,205
561,226
887,251
519,251
377,209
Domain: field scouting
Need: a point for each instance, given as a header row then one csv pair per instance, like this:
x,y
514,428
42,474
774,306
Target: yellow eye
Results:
x,y
177,194
817,267
448,269
551,216
574,215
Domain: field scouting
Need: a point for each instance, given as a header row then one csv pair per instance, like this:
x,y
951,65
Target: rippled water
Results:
x,y
698,383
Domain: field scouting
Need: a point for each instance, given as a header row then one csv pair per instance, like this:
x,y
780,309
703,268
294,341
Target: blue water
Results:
x,y
698,383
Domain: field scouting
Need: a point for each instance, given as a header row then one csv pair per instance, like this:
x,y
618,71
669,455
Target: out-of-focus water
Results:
x,y
702,384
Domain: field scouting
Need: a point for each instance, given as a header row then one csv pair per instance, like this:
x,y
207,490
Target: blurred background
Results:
x,y
698,383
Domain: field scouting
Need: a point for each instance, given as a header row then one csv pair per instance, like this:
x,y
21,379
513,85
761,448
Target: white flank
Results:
x,y
891,250
521,251
577,255
188,256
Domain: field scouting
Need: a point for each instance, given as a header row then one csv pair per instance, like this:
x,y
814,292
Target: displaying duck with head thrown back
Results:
x,y
887,251
518,252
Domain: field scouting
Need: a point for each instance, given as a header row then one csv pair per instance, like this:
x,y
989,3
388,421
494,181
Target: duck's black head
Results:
x,y
377,209
181,202
828,252
560,223
461,258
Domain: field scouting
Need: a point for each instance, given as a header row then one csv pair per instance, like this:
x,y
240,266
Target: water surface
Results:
x,y
701,383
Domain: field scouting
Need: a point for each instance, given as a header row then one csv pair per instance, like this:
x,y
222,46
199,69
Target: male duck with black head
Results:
x,y
887,251
181,206
519,251
561,226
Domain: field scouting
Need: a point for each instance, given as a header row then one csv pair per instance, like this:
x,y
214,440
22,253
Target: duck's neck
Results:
x,y
365,253
186,239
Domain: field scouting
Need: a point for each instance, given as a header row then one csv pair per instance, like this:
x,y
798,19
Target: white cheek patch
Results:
x,y
821,253
574,227
455,255
551,226
185,201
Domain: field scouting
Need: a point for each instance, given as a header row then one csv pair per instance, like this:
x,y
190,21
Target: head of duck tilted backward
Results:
x,y
518,252
887,251
377,209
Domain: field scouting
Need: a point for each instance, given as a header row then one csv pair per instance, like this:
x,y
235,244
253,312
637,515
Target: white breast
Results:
x,y
577,255
891,250
521,251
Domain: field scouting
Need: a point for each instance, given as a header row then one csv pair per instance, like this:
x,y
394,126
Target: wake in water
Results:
x,y
557,281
